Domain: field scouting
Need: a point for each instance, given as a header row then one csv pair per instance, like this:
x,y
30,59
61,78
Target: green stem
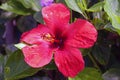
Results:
x,y
85,15
95,64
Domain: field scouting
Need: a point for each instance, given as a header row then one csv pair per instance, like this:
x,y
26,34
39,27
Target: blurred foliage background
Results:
x,y
102,60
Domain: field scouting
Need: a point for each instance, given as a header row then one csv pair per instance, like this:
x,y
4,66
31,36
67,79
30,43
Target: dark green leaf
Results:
x,y
85,51
73,5
26,3
38,17
99,23
16,68
112,8
88,74
16,7
51,66
60,1
1,67
96,7
101,53
109,27
112,74
25,23
78,6
34,4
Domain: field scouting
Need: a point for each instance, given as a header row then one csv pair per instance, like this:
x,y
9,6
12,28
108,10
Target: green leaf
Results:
x,y
20,45
34,4
16,7
109,27
112,8
82,4
16,68
88,74
25,23
51,66
60,1
101,53
38,17
73,5
1,67
85,51
96,7
112,74
26,3
98,23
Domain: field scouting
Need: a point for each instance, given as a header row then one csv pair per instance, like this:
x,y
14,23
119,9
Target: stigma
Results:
x,y
47,37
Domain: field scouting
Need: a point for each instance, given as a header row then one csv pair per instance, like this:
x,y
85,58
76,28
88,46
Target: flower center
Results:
x,y
48,37
56,41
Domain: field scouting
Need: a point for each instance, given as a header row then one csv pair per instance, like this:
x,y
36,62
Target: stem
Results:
x,y
95,64
85,16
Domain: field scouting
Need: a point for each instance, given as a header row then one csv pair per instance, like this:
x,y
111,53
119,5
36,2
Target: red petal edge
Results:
x,y
82,34
37,55
69,61
34,36
56,14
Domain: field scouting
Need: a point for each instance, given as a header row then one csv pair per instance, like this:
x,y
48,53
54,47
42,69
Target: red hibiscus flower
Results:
x,y
58,38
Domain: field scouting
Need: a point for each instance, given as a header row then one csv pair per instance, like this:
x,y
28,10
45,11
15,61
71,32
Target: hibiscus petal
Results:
x,y
34,36
69,61
81,34
37,55
56,15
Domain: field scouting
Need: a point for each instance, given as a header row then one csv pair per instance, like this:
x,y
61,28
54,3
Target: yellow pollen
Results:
x,y
48,37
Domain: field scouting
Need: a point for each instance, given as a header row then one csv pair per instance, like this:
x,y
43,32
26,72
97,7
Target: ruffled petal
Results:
x,y
69,61
81,34
37,55
34,36
56,15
